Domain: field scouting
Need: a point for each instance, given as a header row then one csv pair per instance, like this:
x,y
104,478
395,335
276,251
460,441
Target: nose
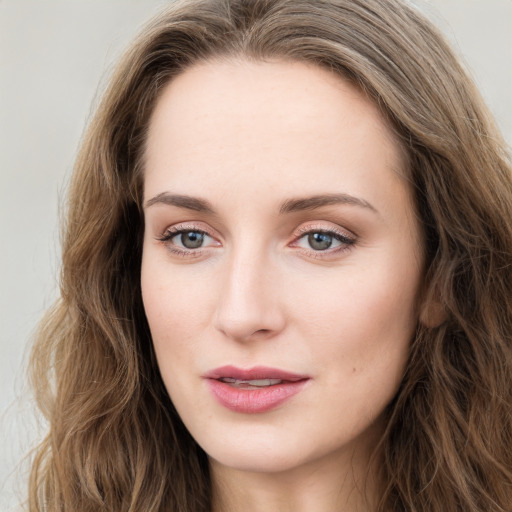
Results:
x,y
249,307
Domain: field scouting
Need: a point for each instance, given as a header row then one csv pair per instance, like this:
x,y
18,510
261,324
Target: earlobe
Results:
x,y
432,313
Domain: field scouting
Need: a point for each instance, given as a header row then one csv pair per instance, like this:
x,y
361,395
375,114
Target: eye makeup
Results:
x,y
318,240
321,241
187,240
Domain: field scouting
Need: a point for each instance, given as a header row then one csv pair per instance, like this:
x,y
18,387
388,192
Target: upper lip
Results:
x,y
255,373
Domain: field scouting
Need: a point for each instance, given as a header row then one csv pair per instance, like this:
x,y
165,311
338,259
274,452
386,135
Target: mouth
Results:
x,y
255,390
250,384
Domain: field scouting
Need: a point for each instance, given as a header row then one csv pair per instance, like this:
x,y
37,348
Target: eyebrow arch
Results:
x,y
188,202
314,202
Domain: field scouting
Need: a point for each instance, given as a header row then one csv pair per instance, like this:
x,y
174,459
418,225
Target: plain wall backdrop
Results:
x,y
55,58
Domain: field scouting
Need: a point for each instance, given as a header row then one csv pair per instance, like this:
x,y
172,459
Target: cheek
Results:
x,y
171,297
164,304
362,324
361,301
178,307
172,341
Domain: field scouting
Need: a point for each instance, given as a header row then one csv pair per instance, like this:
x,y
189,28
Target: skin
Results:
x,y
248,137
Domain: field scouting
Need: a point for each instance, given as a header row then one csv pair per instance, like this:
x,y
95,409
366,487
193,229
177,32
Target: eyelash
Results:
x,y
346,242
173,232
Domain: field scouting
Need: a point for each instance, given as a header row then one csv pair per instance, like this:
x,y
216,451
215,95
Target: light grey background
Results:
x,y
55,57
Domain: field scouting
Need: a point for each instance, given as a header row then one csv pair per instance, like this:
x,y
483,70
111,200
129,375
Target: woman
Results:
x,y
286,274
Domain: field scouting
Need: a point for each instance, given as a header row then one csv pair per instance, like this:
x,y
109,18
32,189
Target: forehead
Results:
x,y
286,123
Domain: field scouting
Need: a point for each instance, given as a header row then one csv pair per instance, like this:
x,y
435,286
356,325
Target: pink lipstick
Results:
x,y
254,390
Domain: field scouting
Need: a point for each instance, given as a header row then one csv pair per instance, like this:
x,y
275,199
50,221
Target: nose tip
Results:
x,y
243,332
248,307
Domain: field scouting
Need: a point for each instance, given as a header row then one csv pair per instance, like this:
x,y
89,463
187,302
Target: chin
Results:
x,y
282,446
260,450
271,450
259,460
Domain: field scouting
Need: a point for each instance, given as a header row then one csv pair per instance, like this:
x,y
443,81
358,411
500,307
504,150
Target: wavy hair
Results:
x,y
115,442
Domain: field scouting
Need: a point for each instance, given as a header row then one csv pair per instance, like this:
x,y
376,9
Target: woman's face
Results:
x,y
281,262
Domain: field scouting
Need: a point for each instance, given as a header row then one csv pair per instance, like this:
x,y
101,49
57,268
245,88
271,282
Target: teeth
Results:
x,y
255,382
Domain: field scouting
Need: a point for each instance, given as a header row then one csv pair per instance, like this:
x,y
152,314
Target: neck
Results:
x,y
342,482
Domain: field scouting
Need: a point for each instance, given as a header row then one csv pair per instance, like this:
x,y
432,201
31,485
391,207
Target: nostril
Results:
x,y
246,307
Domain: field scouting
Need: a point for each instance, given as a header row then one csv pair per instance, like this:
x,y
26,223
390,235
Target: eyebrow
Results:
x,y
315,202
187,202
289,206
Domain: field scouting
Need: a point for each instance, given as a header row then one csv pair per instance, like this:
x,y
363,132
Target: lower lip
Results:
x,y
251,401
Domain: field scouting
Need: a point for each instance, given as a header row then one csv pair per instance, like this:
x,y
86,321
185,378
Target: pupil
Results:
x,y
319,241
192,239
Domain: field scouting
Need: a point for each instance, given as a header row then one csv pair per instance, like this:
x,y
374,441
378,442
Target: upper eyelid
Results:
x,y
183,229
188,226
331,228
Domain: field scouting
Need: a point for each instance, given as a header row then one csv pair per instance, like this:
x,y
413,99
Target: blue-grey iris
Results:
x,y
192,239
320,241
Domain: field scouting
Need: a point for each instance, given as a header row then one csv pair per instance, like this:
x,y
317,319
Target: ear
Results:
x,y
432,313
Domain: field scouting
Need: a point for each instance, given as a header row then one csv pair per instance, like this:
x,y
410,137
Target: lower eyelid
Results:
x,y
190,253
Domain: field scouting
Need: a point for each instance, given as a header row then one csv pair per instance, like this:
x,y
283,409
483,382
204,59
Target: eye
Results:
x,y
186,240
190,239
323,240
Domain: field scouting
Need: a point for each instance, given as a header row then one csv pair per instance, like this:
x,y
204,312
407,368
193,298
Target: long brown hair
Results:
x,y
115,441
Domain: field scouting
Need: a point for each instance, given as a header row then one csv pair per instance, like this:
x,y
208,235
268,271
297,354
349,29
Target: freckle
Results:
x,y
354,370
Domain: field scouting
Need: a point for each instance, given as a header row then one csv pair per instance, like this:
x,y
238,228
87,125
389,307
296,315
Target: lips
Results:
x,y
250,383
254,390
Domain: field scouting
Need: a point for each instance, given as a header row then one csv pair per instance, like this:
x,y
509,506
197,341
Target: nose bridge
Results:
x,y
248,304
